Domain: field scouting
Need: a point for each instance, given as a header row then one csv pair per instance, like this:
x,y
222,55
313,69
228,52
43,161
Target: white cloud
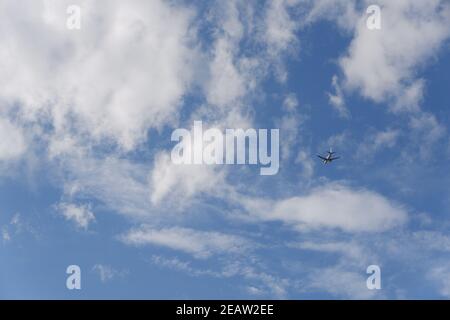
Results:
x,y
200,244
16,221
342,141
428,131
232,75
254,291
352,251
16,226
432,240
290,102
385,138
410,98
118,183
130,66
289,125
280,26
12,141
336,99
81,215
382,64
127,71
177,264
332,206
227,84
124,72
178,183
236,68
275,285
340,282
439,275
341,11
259,282
6,237
377,141
106,272
304,159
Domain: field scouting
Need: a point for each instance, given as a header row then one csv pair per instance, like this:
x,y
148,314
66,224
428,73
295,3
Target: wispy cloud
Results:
x,y
439,275
340,282
337,99
382,64
81,215
257,282
107,273
332,206
13,144
16,226
377,141
91,105
200,244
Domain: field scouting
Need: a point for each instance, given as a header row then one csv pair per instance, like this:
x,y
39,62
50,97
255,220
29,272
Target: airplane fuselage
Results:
x,y
328,158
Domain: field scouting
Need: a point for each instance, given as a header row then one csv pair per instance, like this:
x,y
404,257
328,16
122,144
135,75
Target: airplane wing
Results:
x,y
335,158
322,157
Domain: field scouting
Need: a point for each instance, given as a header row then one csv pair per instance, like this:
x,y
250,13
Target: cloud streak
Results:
x,y
332,206
200,244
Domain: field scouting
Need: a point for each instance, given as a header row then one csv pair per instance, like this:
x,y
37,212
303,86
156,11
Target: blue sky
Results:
x,y
86,179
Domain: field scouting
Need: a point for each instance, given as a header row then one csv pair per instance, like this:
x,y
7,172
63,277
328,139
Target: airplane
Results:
x,y
329,157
